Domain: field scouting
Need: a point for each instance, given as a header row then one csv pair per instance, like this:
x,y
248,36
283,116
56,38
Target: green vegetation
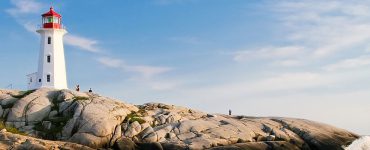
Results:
x,y
51,131
134,117
80,98
142,112
57,124
55,105
23,94
11,129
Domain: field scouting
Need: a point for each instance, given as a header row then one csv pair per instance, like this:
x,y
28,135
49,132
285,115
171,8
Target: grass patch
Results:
x,y
80,98
23,94
134,117
57,125
11,129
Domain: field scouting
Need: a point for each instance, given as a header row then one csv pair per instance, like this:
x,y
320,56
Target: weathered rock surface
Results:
x,y
20,142
101,122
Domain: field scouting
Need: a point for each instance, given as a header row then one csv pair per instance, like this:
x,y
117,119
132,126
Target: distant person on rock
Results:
x,y
78,88
229,111
90,91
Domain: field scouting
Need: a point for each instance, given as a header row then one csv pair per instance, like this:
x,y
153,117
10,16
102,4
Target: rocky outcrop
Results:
x,y
83,118
15,141
101,122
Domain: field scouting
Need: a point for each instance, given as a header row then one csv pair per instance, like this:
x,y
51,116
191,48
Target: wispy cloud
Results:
x,y
282,83
349,63
288,63
146,72
268,53
21,11
83,43
326,27
24,7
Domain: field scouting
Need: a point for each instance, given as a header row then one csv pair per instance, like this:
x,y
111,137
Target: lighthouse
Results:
x,y
51,71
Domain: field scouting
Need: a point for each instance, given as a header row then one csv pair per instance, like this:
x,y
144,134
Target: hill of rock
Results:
x,y
77,120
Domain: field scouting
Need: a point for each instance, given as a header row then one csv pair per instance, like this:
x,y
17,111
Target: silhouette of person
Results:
x,y
229,111
78,88
90,91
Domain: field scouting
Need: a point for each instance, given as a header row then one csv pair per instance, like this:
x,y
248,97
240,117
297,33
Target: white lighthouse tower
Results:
x,y
51,67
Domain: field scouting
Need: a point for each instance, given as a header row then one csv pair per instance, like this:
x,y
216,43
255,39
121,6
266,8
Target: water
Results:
x,y
363,143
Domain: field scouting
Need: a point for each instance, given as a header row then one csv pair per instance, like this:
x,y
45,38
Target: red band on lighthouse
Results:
x,y
51,19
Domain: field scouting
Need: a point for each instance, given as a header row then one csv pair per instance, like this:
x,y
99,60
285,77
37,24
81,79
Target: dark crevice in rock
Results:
x,y
114,133
310,142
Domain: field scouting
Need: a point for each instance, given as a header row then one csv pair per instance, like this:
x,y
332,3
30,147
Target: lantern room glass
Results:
x,y
51,20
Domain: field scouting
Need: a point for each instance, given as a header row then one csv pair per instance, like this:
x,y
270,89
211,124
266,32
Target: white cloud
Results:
x,y
289,81
326,27
287,63
283,83
269,53
30,27
21,11
24,7
159,85
146,72
82,42
349,63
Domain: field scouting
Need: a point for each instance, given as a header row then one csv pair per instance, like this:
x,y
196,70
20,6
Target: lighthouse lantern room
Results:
x,y
51,67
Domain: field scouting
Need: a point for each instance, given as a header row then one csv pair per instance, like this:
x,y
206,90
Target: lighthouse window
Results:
x,y
50,19
56,20
49,40
39,80
48,78
48,58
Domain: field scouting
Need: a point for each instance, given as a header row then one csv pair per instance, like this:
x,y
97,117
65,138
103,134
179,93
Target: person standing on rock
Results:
x,y
90,91
229,111
78,88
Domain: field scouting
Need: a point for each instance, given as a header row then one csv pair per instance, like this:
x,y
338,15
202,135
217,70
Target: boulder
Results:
x,y
196,126
186,136
146,132
32,108
124,144
116,135
150,146
152,137
133,129
20,142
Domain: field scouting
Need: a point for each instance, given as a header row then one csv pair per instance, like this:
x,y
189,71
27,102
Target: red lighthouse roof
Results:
x,y
52,19
51,12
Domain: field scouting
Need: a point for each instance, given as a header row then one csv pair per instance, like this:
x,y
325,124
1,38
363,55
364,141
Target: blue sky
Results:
x,y
307,59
